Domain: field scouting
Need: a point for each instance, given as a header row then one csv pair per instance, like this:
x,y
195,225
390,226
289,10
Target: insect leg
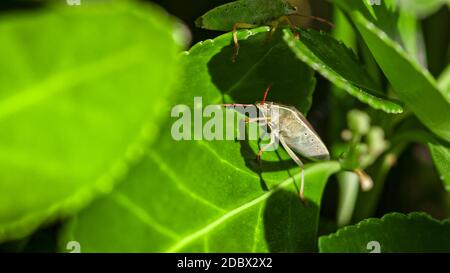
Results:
x,y
273,28
291,25
287,20
273,138
250,120
235,38
299,163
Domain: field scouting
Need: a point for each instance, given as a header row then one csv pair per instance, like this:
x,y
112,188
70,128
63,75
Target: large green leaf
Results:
x,y
338,64
400,26
441,159
414,85
444,81
81,92
440,151
422,8
395,232
213,196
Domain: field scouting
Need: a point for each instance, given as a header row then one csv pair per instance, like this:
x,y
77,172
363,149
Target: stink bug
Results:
x,y
243,14
288,126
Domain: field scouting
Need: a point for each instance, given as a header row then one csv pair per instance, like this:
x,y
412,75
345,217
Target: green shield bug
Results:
x,y
288,126
243,14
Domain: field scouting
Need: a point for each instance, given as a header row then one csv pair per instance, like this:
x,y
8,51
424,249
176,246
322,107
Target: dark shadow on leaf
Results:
x,y
290,224
259,63
262,166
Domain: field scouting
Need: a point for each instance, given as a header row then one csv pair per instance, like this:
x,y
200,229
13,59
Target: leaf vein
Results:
x,y
64,80
256,232
205,230
178,183
224,161
142,214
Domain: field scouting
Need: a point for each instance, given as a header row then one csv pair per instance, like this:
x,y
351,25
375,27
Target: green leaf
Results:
x,y
439,151
399,24
441,159
348,193
343,30
422,8
413,85
213,196
210,72
395,232
334,61
77,104
444,81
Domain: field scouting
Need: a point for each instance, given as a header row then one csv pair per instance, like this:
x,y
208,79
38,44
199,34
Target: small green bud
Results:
x,y
375,140
358,122
362,148
346,135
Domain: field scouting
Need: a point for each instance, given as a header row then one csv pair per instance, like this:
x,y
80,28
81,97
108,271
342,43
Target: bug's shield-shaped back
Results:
x,y
299,134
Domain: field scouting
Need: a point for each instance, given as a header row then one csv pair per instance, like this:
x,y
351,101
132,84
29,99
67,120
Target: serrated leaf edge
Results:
x,y
387,217
242,36
344,84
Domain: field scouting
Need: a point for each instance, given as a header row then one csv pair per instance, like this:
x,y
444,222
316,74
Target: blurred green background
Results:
x,y
413,184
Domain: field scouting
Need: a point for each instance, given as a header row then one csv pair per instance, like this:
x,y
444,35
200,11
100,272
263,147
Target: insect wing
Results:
x,y
299,134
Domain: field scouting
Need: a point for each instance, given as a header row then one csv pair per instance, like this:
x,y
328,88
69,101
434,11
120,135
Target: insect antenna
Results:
x,y
316,18
265,94
235,104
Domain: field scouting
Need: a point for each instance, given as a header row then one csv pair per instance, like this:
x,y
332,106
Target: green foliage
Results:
x,y
395,232
334,61
422,8
253,12
73,125
209,72
444,81
236,193
414,85
441,158
245,219
87,125
419,90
